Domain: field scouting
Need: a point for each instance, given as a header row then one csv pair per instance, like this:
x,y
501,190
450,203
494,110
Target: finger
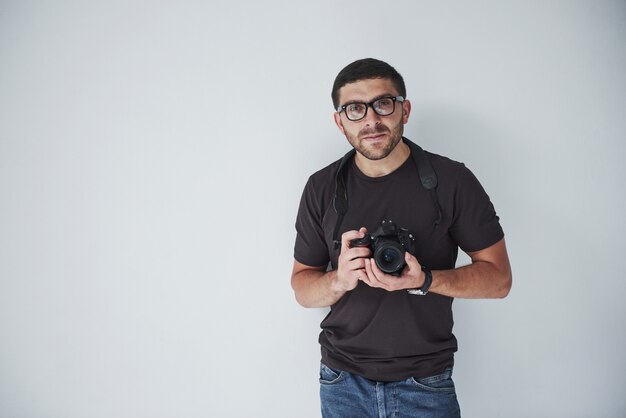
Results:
x,y
384,280
358,252
376,272
348,236
356,264
367,275
411,261
371,275
352,255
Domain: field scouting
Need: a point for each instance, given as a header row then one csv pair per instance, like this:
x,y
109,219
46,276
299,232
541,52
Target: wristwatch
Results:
x,y
427,282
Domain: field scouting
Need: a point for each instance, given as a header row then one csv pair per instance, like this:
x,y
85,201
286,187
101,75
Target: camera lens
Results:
x,y
389,256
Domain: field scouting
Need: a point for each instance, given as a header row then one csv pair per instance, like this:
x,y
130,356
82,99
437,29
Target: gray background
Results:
x,y
152,156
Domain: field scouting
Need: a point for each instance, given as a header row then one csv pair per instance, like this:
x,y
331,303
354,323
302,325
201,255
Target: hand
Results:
x,y
412,276
351,263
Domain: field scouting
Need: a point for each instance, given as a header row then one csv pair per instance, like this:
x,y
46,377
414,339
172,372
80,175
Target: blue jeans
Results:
x,y
344,395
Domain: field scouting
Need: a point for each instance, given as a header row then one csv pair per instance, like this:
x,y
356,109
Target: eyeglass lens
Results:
x,y
382,107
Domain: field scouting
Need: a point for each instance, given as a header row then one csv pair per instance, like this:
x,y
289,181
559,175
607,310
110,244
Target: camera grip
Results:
x,y
361,242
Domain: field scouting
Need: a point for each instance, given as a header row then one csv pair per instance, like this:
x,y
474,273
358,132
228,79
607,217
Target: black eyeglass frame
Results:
x,y
394,99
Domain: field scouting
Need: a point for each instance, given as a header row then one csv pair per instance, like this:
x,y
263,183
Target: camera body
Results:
x,y
388,244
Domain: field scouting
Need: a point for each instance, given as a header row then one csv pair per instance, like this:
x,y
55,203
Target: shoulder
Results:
x,y
324,179
319,190
445,168
453,176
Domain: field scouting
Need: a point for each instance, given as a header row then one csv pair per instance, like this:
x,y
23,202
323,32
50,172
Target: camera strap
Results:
x,y
427,174
340,202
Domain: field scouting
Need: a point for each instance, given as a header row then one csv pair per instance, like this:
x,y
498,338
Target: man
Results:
x,y
387,343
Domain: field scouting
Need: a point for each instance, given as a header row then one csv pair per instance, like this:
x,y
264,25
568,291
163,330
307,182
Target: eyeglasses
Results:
x,y
383,107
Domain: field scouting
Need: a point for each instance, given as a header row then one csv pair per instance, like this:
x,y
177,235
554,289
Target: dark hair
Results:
x,y
366,69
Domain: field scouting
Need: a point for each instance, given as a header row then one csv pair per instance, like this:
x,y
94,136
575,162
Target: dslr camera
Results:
x,y
388,244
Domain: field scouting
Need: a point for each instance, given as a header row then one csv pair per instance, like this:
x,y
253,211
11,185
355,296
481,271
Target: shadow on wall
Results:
x,y
503,164
463,136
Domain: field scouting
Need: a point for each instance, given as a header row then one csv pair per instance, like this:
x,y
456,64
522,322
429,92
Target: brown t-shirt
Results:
x,y
390,336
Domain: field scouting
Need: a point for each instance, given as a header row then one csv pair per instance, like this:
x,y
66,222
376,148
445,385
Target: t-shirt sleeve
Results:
x,y
475,225
310,247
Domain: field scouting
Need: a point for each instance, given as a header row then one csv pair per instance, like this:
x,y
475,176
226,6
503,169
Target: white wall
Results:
x,y
152,155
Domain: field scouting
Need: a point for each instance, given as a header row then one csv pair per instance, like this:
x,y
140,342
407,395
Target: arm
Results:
x,y
316,288
489,275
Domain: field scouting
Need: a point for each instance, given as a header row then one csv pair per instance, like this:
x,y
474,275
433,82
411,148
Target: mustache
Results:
x,y
374,131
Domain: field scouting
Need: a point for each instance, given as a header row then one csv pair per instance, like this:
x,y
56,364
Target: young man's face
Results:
x,y
374,136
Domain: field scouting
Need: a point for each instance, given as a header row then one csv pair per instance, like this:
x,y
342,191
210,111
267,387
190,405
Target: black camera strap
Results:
x,y
427,174
340,202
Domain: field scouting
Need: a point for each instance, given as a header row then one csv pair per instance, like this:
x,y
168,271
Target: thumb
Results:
x,y
411,260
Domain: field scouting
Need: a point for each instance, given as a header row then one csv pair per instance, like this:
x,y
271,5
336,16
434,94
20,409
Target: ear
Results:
x,y
338,122
406,111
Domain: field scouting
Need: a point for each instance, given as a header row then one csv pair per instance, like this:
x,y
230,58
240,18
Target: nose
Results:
x,y
371,117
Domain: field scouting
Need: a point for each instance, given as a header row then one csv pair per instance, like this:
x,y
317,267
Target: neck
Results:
x,y
384,166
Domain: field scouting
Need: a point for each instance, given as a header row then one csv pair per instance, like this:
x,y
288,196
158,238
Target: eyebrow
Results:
x,y
373,100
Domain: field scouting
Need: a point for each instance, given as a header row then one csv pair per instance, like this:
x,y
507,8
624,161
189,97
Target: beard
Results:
x,y
380,150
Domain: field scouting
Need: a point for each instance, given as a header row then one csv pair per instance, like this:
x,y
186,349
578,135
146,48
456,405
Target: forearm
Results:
x,y
481,279
316,289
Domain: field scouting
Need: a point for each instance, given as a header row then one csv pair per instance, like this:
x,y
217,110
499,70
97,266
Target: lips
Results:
x,y
374,137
